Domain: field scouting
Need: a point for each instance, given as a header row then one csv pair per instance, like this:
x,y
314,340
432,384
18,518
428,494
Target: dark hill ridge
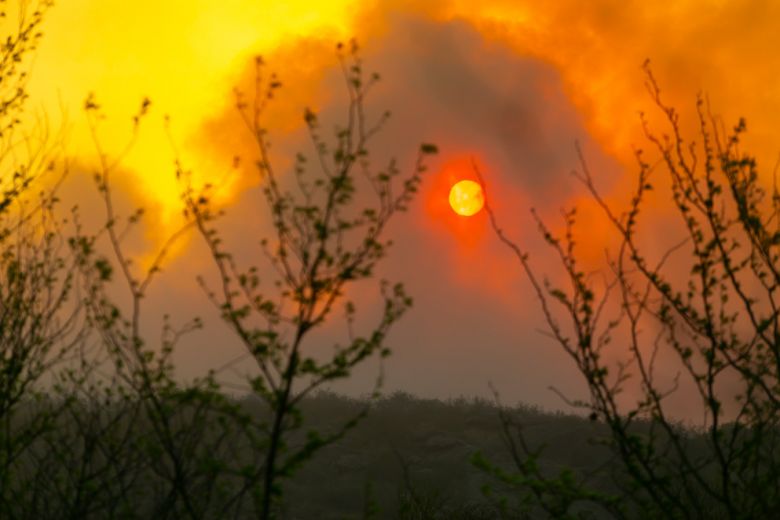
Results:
x,y
411,453
409,458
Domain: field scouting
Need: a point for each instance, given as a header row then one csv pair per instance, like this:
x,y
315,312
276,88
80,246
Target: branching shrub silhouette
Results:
x,y
721,322
112,433
326,237
179,432
41,322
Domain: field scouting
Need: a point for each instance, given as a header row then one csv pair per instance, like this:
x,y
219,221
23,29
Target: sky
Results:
x,y
510,84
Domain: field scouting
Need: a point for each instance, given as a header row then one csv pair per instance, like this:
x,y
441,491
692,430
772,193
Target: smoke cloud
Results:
x,y
511,85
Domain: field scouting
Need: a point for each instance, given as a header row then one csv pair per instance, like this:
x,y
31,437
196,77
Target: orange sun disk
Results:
x,y
466,198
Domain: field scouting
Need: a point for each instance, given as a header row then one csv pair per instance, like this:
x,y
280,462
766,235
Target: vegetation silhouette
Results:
x,y
94,423
719,319
323,243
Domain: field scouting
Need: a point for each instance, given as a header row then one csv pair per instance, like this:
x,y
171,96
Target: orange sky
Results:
x,y
187,55
524,80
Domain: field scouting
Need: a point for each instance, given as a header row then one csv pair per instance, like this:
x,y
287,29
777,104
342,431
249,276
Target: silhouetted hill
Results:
x,y
408,458
411,453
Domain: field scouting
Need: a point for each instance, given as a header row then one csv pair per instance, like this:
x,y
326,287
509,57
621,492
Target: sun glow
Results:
x,y
466,198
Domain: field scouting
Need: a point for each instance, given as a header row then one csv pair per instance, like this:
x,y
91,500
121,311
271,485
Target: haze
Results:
x,y
512,85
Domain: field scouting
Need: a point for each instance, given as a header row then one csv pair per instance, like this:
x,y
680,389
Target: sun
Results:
x,y
466,198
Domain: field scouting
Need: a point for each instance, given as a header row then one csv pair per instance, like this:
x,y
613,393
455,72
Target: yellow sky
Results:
x,y
183,54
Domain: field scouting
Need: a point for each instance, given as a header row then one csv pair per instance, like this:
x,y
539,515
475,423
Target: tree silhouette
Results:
x,y
326,237
42,325
720,320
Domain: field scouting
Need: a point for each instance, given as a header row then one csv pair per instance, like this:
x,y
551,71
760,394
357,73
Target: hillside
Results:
x,y
411,457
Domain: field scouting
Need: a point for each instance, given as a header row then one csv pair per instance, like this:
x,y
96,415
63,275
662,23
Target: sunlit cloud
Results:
x,y
187,56
184,55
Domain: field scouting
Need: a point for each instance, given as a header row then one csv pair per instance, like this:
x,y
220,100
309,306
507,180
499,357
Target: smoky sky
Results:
x,y
479,98
474,321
